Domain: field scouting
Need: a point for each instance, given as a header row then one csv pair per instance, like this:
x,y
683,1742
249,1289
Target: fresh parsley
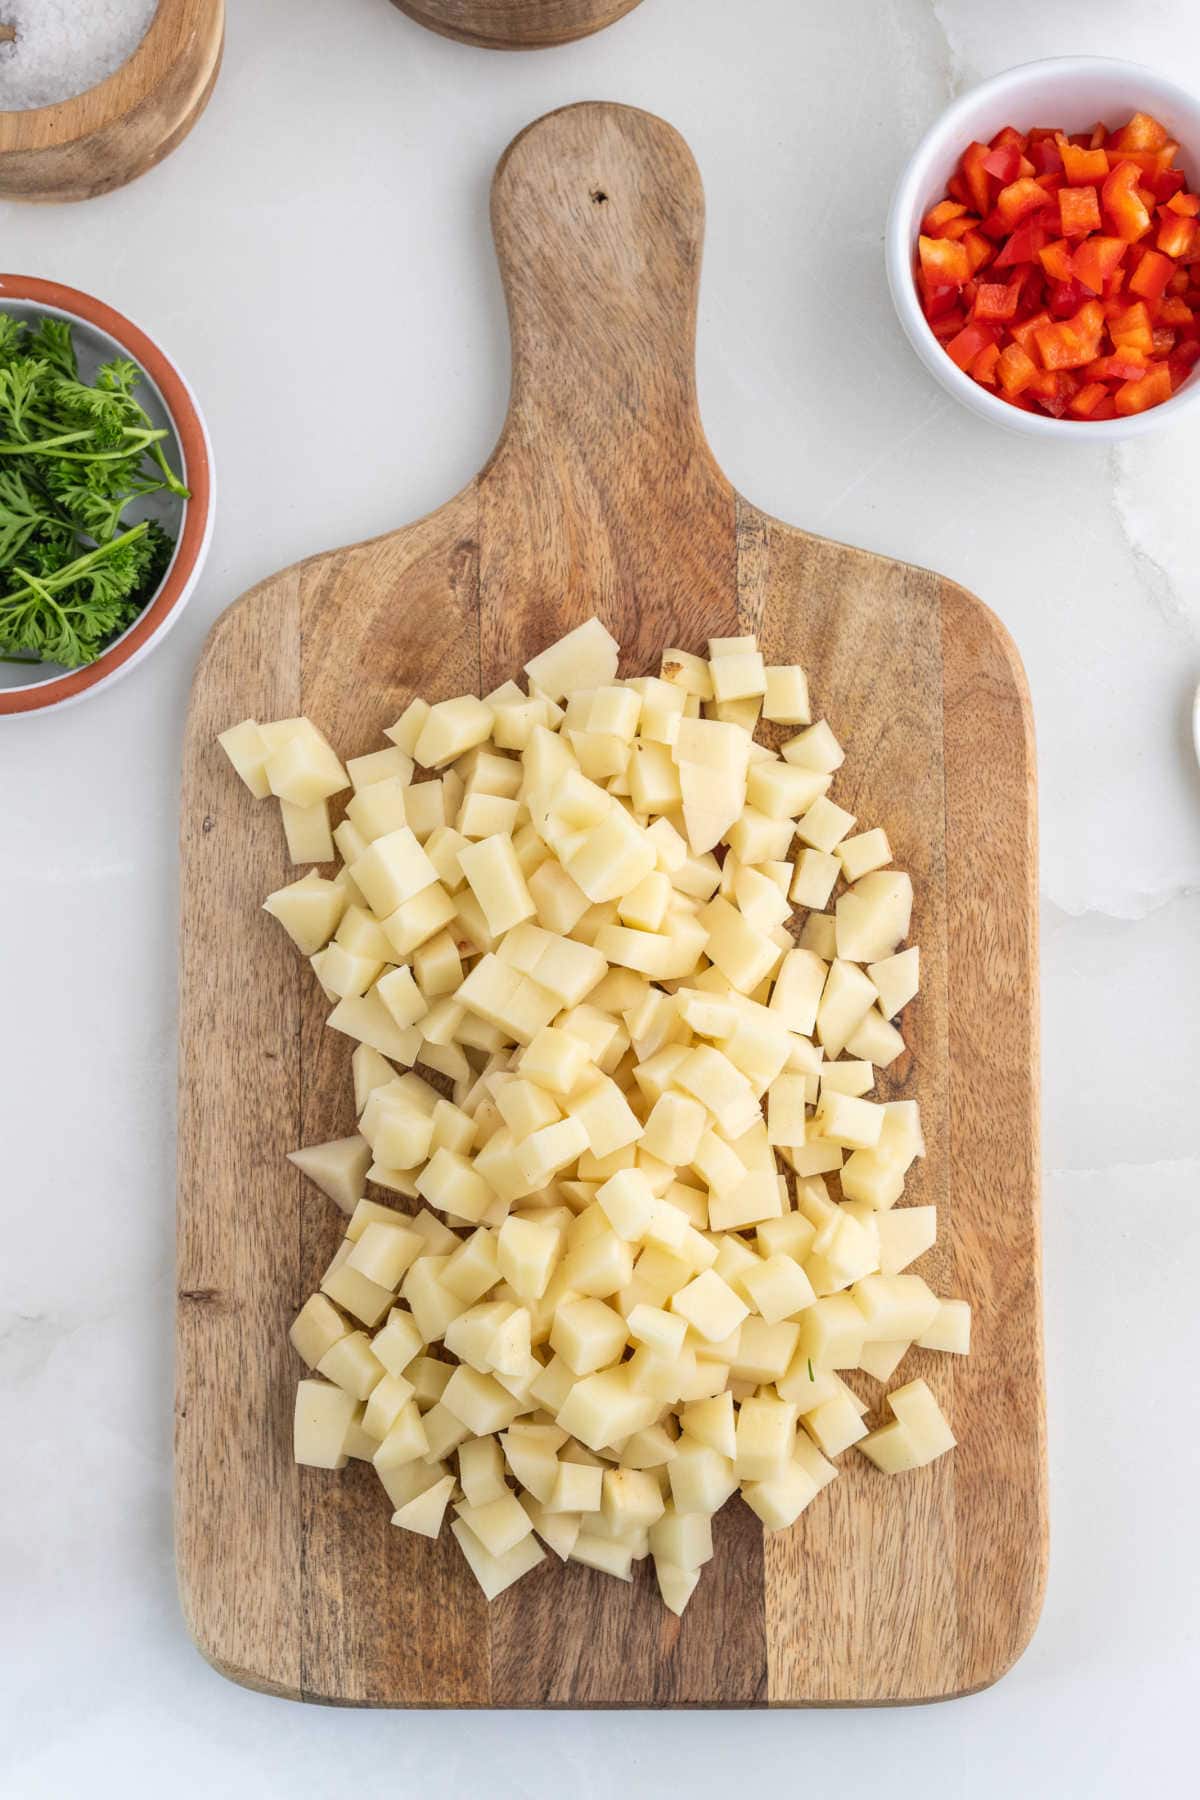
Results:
x,y
74,457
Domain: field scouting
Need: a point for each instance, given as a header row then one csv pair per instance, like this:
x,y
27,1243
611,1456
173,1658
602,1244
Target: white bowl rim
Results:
x,y
899,244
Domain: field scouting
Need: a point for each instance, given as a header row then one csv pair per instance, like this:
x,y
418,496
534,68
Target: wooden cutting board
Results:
x,y
603,495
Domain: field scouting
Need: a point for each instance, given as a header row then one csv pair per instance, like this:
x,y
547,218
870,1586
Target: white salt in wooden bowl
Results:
x,y
89,143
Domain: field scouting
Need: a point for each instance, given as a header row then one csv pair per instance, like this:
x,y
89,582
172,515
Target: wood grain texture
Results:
x,y
602,495
516,24
123,126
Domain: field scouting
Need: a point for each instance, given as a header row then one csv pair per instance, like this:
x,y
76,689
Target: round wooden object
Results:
x,y
516,24
123,126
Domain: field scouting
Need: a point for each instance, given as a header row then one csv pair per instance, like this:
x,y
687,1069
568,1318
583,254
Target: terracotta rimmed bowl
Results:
x,y
101,333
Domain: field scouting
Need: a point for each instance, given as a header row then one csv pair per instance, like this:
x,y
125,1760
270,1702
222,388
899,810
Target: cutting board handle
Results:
x,y
598,217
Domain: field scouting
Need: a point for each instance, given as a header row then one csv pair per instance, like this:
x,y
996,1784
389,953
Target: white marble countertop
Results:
x,y
329,215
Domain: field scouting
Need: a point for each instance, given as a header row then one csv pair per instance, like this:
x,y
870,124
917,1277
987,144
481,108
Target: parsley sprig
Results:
x,y
74,457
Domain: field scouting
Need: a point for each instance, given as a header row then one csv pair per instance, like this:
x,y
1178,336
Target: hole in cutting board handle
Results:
x,y
599,197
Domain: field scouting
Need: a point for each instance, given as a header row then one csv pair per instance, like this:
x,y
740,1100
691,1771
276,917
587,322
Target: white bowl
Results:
x,y
1072,93
100,333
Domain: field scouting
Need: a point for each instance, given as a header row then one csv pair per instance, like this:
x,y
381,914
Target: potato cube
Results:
x,y
876,1040
835,1424
379,809
248,751
683,1539
309,910
452,1184
710,1078
473,1268
355,1292
398,1344
782,790
387,1400
402,997
923,1419
450,729
796,994
815,879
605,1115
824,825
527,1253
321,1424
303,768
425,1512
737,675
766,1430
712,1422
874,916
786,700
384,1252
612,857
350,1363
860,855
479,1401
833,1332
415,921
816,748
338,1168
407,729
584,658
495,877
895,1306
710,1306
950,1330
701,1479
765,1352
785,1109
779,1500
904,1235
587,1334
391,870
495,1573
499,1524
847,998
778,1288
577,1489
627,1201
317,1327
554,1059
603,1409
674,1128
843,1119
896,979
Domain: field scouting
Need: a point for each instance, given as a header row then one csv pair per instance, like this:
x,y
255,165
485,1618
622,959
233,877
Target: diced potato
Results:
x,y
710,1306
495,1573
323,1418
873,917
896,979
425,1512
950,1330
338,1168
301,767
309,910
584,658
317,1327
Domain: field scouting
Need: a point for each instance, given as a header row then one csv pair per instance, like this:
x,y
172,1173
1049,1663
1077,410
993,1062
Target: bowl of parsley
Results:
x,y
106,494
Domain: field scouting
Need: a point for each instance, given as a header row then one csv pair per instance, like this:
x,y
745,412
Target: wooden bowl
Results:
x,y
123,126
516,24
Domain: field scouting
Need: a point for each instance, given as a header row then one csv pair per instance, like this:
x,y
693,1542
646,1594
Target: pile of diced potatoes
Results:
x,y
644,1212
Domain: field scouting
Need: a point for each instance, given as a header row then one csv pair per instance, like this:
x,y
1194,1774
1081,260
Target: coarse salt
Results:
x,y
63,47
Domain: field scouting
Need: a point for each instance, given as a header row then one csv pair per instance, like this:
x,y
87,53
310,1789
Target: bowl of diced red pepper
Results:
x,y
1049,273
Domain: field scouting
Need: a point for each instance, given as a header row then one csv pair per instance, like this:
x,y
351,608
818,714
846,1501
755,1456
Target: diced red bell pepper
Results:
x,y
1016,369
938,297
1122,365
1088,398
1065,298
1186,204
948,325
1175,311
1064,346
980,250
1151,390
1099,136
1129,216
974,177
1008,134
1024,332
984,367
1151,276
1055,258
974,337
1104,409
1166,183
1045,155
1143,132
1004,163
1182,360
1176,235
940,215
942,259
1095,259
1029,237
996,300
1129,328
1016,201
1163,339
1079,210
1080,166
